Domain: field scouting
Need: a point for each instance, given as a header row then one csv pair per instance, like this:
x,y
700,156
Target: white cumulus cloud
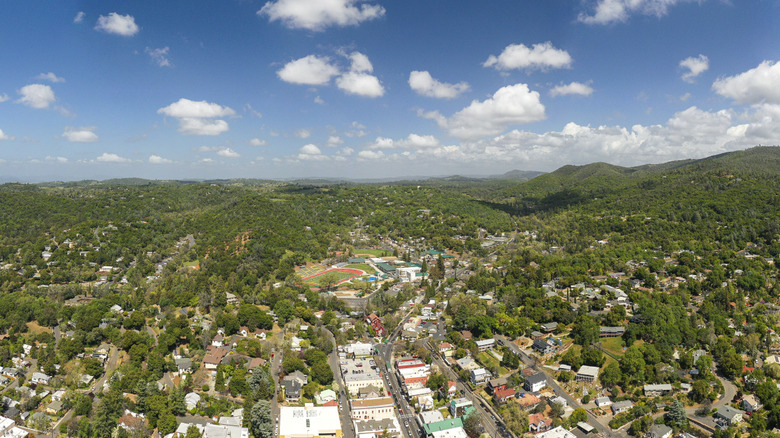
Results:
x,y
370,155
694,66
309,70
80,135
159,56
228,153
61,160
572,88
539,57
302,133
319,70
510,105
357,80
79,17
425,85
156,159
361,84
257,142
112,158
310,152
4,97
757,85
36,96
4,136
116,24
51,77
413,141
360,63
317,15
196,117
611,11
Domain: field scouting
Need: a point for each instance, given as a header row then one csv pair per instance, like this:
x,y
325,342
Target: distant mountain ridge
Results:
x,y
759,160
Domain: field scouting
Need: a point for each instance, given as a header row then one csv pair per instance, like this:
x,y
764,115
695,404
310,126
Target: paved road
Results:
x,y
276,362
347,427
603,429
392,381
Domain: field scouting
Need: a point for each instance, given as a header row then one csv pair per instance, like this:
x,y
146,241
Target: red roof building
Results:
x,y
376,324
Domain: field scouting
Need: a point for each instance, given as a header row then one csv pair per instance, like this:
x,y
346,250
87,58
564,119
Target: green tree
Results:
x,y
731,364
322,373
699,391
193,432
676,416
632,364
471,423
585,331
611,375
436,381
260,420
166,423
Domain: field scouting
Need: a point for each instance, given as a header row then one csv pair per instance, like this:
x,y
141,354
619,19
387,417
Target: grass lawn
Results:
x,y
615,345
363,267
488,361
337,275
372,252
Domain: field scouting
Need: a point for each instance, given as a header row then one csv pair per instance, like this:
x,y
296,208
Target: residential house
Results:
x,y
611,332
480,376
729,414
657,390
528,401
549,327
292,389
214,356
54,408
587,374
751,404
183,365
191,400
659,431
486,344
502,395
542,346
297,376
450,389
467,363
40,378
254,363
539,423
622,406
496,384
535,382
376,324
603,402
446,349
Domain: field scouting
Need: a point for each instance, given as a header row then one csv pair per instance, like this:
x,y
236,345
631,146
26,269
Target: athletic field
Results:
x,y
340,275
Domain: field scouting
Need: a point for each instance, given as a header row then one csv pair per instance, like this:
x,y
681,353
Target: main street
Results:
x,y
383,358
344,414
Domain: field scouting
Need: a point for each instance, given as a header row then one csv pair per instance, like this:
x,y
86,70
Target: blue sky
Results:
x,y
375,89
